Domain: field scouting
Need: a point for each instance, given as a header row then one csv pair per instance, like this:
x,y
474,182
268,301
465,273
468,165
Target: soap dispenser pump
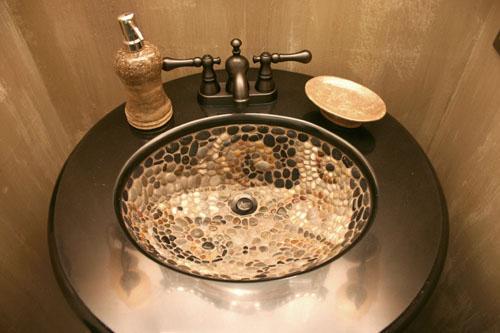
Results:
x,y
139,64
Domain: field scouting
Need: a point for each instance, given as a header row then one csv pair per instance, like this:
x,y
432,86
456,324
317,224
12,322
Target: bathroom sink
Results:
x,y
245,197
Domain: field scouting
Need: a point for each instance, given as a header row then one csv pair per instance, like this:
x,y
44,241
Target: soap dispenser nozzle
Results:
x,y
133,36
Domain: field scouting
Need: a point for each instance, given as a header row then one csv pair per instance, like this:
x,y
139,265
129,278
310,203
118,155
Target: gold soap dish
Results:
x,y
344,102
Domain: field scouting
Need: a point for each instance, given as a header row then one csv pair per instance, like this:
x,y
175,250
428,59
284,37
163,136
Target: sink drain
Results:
x,y
243,204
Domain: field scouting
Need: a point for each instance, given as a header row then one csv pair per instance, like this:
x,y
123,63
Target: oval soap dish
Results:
x,y
344,102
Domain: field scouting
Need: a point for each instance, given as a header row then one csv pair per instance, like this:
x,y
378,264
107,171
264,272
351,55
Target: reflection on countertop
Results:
x,y
133,284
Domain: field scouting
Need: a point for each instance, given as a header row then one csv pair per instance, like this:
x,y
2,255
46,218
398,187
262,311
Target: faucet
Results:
x,y
238,90
237,68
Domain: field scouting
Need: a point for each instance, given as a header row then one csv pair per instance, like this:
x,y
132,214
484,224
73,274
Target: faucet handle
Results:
x,y
265,82
172,63
303,56
209,85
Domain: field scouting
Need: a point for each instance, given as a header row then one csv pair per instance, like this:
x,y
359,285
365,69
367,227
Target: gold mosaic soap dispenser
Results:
x,y
139,66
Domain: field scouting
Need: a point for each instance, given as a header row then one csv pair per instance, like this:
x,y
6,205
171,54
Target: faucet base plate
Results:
x,y
224,98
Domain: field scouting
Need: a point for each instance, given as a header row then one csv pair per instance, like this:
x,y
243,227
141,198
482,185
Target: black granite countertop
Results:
x,y
380,284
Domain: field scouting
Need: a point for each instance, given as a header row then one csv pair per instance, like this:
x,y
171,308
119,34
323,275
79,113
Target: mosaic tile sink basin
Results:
x,y
245,197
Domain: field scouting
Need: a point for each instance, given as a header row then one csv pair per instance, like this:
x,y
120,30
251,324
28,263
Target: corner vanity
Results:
x,y
380,282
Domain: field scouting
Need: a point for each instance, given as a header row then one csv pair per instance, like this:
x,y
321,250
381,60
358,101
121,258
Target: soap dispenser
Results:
x,y
139,64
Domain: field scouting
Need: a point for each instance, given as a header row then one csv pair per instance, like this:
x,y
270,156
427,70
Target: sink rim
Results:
x,y
241,118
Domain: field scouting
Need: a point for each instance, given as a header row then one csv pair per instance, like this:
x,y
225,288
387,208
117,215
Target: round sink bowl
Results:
x,y
245,197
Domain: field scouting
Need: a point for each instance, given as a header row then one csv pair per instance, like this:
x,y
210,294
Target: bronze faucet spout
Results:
x,y
240,88
237,68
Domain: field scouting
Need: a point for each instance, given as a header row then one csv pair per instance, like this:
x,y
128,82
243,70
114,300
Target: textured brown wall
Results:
x,y
430,60
466,154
